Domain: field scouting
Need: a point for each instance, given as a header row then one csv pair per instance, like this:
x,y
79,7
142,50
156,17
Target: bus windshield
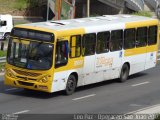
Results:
x,y
30,55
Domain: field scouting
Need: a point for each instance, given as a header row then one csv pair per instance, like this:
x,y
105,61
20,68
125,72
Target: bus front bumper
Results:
x,y
33,85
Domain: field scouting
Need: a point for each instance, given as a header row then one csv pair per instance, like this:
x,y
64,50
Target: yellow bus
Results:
x,y
62,55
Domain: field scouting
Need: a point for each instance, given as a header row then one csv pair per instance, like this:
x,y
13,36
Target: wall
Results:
x,y
96,8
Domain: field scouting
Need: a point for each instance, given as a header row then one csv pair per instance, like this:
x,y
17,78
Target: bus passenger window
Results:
x,y
89,43
61,53
141,39
152,35
102,42
116,40
129,38
75,46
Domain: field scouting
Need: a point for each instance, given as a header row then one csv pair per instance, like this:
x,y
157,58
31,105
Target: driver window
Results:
x,y
3,23
61,53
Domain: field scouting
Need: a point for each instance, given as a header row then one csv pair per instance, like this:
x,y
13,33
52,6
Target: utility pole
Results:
x,y
47,9
88,8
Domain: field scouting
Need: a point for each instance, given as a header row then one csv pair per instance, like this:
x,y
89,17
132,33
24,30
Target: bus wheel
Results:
x,y
71,85
124,73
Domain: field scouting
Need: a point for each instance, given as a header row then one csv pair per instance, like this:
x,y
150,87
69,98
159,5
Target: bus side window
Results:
x,y
102,42
152,35
116,40
141,37
3,23
61,53
129,38
89,44
75,46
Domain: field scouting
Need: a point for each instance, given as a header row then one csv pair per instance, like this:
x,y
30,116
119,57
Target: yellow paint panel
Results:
x,y
74,41
10,81
141,50
25,42
152,48
16,40
73,48
73,63
21,41
135,51
141,23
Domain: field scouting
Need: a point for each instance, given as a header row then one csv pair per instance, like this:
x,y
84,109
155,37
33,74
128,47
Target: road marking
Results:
x,y
20,112
135,105
87,96
140,84
11,89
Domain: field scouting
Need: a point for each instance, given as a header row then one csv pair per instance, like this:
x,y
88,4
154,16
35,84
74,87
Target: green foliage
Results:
x,y
12,5
23,4
3,53
33,3
143,13
94,15
158,117
2,66
20,4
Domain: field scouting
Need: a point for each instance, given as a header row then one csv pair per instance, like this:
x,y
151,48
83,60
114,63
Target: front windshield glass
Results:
x,y
30,55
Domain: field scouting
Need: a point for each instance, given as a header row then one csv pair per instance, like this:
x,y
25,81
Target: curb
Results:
x,y
147,113
151,109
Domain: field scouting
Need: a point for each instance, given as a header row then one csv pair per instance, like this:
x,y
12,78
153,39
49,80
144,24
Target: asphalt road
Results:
x,y
140,91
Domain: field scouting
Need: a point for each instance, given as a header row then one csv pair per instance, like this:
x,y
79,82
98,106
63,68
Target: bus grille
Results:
x,y
25,83
25,78
27,73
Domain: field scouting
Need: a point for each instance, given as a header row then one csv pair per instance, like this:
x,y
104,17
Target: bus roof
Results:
x,y
89,23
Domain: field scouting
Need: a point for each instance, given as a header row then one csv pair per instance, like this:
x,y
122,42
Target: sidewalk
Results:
x,y
150,110
148,113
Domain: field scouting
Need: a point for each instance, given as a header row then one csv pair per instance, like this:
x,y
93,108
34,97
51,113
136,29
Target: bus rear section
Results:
x,y
141,45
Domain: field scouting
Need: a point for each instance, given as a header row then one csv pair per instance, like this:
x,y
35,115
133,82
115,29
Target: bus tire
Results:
x,y
71,85
124,73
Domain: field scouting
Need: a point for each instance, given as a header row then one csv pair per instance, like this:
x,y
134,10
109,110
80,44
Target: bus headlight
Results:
x,y
10,74
44,79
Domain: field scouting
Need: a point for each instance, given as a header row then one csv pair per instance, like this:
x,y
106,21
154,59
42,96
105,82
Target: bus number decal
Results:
x,y
78,63
102,61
